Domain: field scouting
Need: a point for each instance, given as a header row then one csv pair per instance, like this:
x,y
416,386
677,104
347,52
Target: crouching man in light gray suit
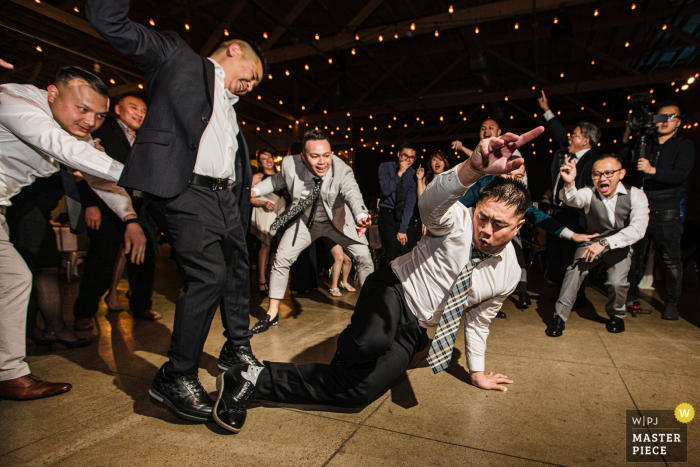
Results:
x,y
337,212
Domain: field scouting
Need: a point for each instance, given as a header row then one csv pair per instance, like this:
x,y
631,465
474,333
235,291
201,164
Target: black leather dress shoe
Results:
x,y
236,388
265,323
523,297
183,394
670,312
556,327
240,355
501,315
615,325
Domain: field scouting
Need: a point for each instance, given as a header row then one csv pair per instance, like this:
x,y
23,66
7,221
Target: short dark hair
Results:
x,y
668,103
314,135
259,52
138,95
408,145
512,192
609,155
68,73
590,131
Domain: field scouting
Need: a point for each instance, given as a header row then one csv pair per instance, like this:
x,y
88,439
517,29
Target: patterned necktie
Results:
x,y
303,204
76,215
440,353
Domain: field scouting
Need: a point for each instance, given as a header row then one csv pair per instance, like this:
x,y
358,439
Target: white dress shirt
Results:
x,y
428,273
639,215
32,143
217,148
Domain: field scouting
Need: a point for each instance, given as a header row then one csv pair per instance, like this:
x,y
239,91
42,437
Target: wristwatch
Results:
x,y
603,242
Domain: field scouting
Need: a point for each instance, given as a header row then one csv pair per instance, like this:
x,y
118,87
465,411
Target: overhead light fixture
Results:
x,y
634,6
38,48
265,35
436,33
476,30
517,26
664,27
357,37
306,67
75,8
352,51
451,10
691,80
151,22
592,62
281,103
140,86
381,38
112,81
286,72
595,13
187,26
556,20
413,26
259,97
317,37
330,60
269,76
226,32
396,35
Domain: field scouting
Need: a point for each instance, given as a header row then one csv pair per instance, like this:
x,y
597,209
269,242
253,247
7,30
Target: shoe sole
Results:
x,y
553,335
177,412
220,389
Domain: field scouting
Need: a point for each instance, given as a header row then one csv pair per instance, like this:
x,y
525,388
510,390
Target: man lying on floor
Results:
x,y
466,262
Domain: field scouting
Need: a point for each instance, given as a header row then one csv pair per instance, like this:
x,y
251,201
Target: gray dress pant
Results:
x,y
617,263
298,237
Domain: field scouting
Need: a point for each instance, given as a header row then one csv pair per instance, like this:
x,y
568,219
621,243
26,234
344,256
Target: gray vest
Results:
x,y
597,216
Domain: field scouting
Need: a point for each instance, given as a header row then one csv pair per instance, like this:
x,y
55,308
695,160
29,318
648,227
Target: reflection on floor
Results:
x,y
566,407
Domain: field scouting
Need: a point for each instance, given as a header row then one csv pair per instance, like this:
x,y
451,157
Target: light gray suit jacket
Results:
x,y
343,210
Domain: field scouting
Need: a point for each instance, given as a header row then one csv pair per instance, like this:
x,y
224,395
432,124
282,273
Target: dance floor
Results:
x,y
566,407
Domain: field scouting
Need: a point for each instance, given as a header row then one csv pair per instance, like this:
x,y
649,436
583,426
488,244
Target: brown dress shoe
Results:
x,y
83,324
30,387
148,315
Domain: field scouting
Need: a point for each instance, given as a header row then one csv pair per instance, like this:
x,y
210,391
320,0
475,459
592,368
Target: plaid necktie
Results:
x,y
440,353
76,215
292,213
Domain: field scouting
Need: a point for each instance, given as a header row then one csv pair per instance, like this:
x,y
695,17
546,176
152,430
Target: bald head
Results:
x,y
489,129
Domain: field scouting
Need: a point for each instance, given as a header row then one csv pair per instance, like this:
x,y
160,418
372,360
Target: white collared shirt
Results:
x,y
217,148
32,143
429,272
639,215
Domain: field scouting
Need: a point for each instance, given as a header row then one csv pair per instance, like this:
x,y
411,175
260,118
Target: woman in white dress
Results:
x,y
265,211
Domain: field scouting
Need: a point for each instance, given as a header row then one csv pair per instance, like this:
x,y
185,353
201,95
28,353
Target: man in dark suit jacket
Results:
x,y
192,164
578,148
106,229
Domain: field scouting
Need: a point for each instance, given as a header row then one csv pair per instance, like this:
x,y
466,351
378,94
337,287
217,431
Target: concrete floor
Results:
x,y
566,407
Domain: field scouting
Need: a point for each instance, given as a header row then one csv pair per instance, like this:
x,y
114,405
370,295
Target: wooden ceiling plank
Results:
x,y
218,32
290,18
364,13
601,55
59,15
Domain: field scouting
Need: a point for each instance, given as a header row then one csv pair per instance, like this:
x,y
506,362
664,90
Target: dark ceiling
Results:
x,y
385,71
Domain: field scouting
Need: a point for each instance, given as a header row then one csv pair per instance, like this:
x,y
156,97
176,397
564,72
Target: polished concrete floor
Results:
x,y
566,406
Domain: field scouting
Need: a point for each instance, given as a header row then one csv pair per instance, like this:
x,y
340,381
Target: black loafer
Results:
x,y
236,388
264,323
523,297
501,315
670,312
556,327
615,325
183,394
236,355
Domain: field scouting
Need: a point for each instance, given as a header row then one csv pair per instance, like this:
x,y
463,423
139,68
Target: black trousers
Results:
x,y
105,243
376,348
388,229
666,229
204,229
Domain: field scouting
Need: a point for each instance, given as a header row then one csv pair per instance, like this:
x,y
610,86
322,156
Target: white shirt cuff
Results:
x,y
548,115
115,170
567,233
476,363
361,216
256,191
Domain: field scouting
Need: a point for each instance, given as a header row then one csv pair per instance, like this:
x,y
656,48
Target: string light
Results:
x,y
451,10
604,104
436,33
75,8
561,75
595,13
281,103
440,117
348,116
264,35
556,20
533,88
516,26
317,37
684,87
352,51
483,106
38,48
534,115
634,6
152,23
325,111
511,117
673,83
357,37
330,60
413,26
306,67
608,120
582,107
691,80
592,62
140,86
664,27
112,81
396,35
286,72
226,32
627,44
187,26
506,98
381,38
476,31
259,97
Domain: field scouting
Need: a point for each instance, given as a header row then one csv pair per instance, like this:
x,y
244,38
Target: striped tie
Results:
x,y
440,353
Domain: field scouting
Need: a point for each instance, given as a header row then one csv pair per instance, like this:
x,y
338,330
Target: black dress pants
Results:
x,y
388,229
666,229
375,348
105,243
204,229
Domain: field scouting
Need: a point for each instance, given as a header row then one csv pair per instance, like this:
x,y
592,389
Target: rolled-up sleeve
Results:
x,y
476,331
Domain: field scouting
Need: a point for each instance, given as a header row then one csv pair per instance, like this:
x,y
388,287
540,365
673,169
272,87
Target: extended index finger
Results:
x,y
529,136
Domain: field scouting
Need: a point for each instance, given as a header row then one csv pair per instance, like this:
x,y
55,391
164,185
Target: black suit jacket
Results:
x,y
573,218
113,139
180,96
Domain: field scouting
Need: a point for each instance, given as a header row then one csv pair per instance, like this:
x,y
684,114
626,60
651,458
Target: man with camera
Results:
x,y
666,163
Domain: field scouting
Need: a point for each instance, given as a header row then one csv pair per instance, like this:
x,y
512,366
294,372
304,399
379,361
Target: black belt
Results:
x,y
216,184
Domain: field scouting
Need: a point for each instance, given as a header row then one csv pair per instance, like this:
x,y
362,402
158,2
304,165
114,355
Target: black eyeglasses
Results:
x,y
608,174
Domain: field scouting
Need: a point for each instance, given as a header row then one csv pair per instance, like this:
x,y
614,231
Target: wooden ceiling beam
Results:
x,y
216,35
280,30
59,15
321,92
601,55
364,13
444,72
643,79
378,82
678,33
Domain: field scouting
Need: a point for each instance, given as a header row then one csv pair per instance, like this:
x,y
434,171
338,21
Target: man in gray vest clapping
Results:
x,y
620,216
